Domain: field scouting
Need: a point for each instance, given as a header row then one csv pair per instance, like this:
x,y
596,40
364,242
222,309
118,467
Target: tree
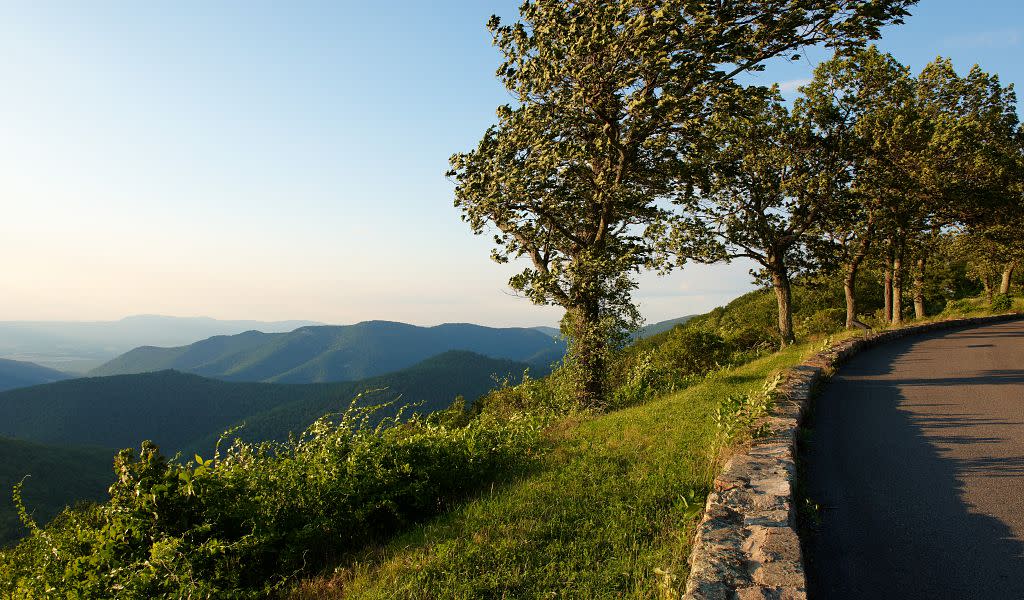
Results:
x,y
609,98
866,99
972,170
769,178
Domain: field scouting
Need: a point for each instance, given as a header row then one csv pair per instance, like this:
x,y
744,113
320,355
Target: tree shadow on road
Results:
x,y
888,467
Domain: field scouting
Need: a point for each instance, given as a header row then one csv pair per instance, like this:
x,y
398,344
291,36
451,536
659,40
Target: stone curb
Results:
x,y
746,546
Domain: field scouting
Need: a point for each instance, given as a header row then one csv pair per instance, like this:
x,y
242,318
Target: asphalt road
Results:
x,y
915,455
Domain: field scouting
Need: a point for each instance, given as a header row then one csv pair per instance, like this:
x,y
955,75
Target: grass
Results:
x,y
608,512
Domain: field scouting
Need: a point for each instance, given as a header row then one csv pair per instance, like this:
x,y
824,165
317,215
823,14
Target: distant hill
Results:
x,y
655,328
83,345
552,331
335,353
183,411
57,477
16,374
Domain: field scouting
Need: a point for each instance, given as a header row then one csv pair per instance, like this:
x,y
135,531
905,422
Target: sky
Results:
x,y
270,160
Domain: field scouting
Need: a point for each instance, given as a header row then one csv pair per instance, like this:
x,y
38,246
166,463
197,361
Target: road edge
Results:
x,y
746,546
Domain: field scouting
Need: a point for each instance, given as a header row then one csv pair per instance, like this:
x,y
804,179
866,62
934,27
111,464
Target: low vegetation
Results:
x,y
242,524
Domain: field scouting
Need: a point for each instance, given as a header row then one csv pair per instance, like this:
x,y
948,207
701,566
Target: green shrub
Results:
x,y
1001,303
694,351
828,320
243,525
960,305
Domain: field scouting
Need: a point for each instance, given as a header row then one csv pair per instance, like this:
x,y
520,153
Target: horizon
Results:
x,y
267,164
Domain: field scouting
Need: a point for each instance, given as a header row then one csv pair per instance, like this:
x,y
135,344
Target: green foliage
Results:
x,y
243,524
826,320
610,99
1001,303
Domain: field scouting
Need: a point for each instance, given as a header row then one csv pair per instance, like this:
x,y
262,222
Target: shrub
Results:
x,y
958,306
1001,303
694,351
243,525
824,321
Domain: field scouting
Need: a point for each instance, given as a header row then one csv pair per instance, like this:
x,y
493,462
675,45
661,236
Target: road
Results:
x,y
915,456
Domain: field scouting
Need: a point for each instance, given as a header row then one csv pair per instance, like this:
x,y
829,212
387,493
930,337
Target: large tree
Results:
x,y
770,177
867,100
609,99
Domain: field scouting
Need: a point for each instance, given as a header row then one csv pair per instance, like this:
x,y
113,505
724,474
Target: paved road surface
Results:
x,y
916,457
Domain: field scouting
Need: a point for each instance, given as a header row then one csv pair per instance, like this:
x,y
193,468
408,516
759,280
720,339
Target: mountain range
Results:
x,y
77,346
328,353
182,410
66,432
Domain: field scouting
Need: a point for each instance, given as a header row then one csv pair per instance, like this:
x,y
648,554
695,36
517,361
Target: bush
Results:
x,y
960,305
693,351
1001,303
824,321
243,525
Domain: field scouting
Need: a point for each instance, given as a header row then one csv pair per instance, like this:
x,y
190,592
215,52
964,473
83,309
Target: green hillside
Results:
x,y
335,353
16,374
57,477
181,410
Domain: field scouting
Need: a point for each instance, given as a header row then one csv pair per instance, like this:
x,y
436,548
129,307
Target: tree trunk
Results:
x,y
897,289
1004,285
849,283
988,288
850,280
887,286
587,347
919,289
887,290
784,296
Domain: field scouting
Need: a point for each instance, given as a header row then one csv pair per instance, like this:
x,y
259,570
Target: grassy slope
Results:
x,y
603,510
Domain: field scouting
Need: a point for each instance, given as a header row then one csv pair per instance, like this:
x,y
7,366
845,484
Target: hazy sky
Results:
x,y
271,160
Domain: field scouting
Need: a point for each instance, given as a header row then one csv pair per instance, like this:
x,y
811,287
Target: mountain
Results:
x,y
655,328
83,345
56,477
552,331
16,374
185,411
335,353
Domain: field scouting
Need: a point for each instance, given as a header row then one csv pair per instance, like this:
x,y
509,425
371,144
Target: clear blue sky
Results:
x,y
274,160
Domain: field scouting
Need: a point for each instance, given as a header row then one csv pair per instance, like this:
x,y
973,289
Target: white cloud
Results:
x,y
1002,38
793,84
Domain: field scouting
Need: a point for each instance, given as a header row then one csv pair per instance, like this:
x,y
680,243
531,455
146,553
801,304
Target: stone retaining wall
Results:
x,y
746,546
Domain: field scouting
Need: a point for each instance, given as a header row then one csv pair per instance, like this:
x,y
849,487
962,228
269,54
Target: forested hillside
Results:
x,y
336,353
16,374
180,410
54,477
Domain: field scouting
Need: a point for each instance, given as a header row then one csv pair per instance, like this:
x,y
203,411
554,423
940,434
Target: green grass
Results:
x,y
607,513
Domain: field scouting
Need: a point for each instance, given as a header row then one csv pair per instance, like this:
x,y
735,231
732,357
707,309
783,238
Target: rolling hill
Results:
x,y
182,410
16,374
335,353
655,328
